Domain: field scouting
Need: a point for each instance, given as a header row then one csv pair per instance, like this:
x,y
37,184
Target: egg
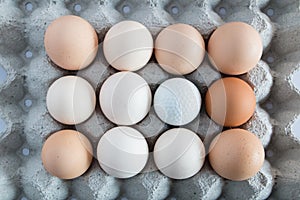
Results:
x,y
179,153
122,152
71,42
177,101
230,102
125,98
179,49
235,48
67,154
236,154
71,100
128,46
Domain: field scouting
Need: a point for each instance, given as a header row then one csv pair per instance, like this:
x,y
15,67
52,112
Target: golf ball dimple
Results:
x,y
177,101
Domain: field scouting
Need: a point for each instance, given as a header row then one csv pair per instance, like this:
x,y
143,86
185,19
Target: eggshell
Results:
x,y
235,48
179,49
71,100
177,101
71,42
236,154
128,46
179,153
122,152
67,154
125,98
230,101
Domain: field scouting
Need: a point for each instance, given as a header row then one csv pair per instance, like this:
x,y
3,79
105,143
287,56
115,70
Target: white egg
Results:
x,y
71,100
122,152
125,98
177,101
128,46
179,153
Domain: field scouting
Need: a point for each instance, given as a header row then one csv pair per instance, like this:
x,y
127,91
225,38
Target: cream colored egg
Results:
x,y
128,46
179,49
179,153
67,154
125,98
122,152
71,100
71,42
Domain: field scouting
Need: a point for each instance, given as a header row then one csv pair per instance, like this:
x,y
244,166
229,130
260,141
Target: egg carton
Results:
x,y
26,74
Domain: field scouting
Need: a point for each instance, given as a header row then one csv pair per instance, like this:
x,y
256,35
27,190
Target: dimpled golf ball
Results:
x,y
177,101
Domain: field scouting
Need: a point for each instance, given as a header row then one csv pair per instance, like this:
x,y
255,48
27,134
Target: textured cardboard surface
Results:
x,y
26,74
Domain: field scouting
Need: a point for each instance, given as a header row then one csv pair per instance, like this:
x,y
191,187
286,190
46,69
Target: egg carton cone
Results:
x,y
26,74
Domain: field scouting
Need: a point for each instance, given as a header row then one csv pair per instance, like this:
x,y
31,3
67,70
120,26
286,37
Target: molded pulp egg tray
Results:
x,y
26,74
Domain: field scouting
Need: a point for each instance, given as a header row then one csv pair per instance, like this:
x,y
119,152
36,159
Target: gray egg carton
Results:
x,y
26,73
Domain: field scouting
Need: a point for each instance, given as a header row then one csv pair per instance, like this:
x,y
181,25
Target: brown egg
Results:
x,y
71,42
179,49
67,154
235,48
230,101
236,154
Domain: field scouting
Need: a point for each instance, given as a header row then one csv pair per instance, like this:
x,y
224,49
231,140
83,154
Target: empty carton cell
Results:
x,y
95,184
157,186
261,185
32,173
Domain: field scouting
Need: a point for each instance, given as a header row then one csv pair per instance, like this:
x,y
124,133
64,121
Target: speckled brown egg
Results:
x,y
235,48
230,101
179,49
67,154
71,42
236,154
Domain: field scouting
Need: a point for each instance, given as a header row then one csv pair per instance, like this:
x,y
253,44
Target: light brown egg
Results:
x,y
236,154
179,49
67,154
71,42
235,48
230,102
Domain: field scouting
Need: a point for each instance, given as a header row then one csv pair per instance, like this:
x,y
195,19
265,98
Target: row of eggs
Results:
x,y
179,153
72,44
125,99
